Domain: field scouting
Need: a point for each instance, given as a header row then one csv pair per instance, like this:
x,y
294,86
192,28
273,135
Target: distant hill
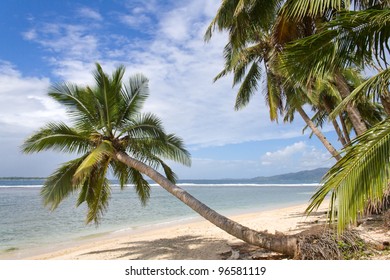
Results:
x,y
306,176
301,177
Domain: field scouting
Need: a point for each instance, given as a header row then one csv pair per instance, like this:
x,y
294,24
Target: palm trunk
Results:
x,y
345,130
385,100
353,112
319,134
336,125
285,244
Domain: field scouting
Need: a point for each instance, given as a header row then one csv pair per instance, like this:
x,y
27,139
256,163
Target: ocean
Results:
x,y
26,225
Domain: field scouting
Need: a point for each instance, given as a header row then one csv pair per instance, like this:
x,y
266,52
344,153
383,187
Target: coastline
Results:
x,y
193,239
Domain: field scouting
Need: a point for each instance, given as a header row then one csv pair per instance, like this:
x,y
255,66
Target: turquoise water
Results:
x,y
26,224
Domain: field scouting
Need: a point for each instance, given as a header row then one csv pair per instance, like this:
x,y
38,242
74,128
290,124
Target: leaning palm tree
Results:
x,y
110,134
256,39
353,38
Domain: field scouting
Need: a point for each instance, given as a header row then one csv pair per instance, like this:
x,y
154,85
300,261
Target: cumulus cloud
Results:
x,y
179,64
295,157
24,101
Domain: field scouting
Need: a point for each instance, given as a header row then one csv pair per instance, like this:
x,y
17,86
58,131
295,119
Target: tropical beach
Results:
x,y
25,220
130,109
199,240
194,240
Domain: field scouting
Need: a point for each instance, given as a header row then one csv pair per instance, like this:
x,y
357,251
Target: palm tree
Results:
x,y
110,134
341,38
256,40
353,38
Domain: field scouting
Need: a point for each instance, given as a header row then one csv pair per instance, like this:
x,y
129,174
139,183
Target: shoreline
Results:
x,y
192,239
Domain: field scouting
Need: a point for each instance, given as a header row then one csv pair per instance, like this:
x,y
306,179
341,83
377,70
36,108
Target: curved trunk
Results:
x,y
285,244
353,112
345,130
319,134
336,126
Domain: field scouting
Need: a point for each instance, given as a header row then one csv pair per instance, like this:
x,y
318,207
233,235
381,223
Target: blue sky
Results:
x,y
45,42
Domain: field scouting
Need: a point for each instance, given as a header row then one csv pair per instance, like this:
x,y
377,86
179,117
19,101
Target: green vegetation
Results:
x,y
107,123
312,54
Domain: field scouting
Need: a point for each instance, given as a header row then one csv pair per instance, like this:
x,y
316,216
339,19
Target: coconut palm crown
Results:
x,y
105,119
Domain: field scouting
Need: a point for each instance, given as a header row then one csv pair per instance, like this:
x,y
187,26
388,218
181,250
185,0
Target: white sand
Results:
x,y
199,240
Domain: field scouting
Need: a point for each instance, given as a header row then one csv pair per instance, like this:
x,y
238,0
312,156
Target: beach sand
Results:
x,y
195,240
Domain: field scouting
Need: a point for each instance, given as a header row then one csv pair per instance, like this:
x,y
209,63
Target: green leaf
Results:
x,y
134,95
105,119
141,186
94,158
362,175
376,85
59,185
352,38
57,136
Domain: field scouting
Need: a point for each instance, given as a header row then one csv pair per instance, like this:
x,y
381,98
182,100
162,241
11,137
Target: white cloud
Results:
x,y
72,49
295,157
175,25
180,67
25,105
135,21
288,151
30,34
89,13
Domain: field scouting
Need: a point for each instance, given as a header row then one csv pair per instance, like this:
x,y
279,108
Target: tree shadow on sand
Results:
x,y
187,247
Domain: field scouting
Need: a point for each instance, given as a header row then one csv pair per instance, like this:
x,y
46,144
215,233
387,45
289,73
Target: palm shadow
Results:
x,y
187,247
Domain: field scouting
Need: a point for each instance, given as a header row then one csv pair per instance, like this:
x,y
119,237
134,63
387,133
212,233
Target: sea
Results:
x,y
27,226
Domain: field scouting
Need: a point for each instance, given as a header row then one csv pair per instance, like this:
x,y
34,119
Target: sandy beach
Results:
x,y
195,240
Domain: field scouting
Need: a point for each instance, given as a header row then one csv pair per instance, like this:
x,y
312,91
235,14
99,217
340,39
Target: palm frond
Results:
x,y
144,125
222,18
175,150
242,17
96,192
298,9
376,85
59,137
362,175
108,93
98,155
121,172
59,185
98,203
244,58
80,104
171,176
367,4
141,186
248,87
133,96
128,175
273,96
352,38
170,147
